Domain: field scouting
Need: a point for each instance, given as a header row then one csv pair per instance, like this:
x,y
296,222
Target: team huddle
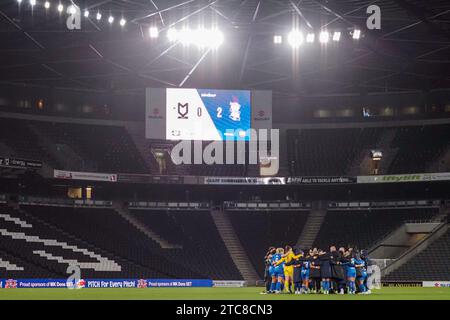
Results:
x,y
316,271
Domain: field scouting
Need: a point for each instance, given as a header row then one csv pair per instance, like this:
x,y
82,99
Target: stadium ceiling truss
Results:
x,y
410,53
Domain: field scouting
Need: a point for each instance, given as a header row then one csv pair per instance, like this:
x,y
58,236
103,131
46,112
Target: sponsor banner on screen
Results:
x,y
20,163
183,283
91,176
436,284
244,180
320,180
103,283
141,178
229,284
399,178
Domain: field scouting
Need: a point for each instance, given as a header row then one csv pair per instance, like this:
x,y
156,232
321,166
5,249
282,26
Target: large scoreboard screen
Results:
x,y
206,114
203,114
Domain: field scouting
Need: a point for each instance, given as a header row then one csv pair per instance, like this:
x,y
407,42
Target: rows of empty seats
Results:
x,y
431,264
32,243
362,228
322,152
310,152
202,248
419,147
107,230
325,152
43,240
108,148
258,230
21,142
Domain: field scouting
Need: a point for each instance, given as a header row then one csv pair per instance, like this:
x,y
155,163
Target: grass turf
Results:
x,y
387,293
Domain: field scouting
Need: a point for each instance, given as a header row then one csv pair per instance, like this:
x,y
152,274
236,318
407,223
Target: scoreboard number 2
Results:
x,y
219,112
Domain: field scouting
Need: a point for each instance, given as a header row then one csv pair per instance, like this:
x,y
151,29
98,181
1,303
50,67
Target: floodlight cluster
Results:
x,y
72,9
200,37
297,38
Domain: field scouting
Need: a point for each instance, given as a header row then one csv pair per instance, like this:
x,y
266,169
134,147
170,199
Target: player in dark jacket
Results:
x,y
314,272
267,263
325,271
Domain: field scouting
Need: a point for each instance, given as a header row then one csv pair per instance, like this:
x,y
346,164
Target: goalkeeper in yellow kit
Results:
x,y
288,257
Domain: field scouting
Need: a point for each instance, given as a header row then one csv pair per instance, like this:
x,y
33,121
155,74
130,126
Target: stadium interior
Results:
x,y
364,127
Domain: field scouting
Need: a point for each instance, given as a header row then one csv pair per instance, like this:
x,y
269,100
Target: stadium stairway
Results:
x,y
406,236
124,213
234,246
62,153
416,251
311,228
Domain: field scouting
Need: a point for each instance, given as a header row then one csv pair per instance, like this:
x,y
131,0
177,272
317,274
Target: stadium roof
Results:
x,y
411,51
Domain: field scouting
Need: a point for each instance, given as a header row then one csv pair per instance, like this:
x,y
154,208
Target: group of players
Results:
x,y
316,271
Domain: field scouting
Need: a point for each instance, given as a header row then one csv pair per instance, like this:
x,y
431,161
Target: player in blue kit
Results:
x,y
351,272
277,272
305,276
361,274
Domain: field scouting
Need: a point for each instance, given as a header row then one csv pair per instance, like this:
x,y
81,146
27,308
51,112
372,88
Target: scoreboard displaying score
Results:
x,y
206,114
200,114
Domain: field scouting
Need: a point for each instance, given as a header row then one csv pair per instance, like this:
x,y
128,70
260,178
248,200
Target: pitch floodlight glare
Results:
x,y
356,34
154,33
47,5
172,34
99,16
310,37
86,14
60,7
295,38
111,19
122,22
337,36
277,39
19,1
324,37
32,3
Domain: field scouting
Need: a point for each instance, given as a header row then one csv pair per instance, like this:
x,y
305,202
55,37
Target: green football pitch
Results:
x,y
387,293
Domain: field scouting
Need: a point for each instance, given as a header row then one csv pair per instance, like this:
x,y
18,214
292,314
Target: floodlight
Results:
x,y
310,37
295,38
356,34
153,31
324,37
337,36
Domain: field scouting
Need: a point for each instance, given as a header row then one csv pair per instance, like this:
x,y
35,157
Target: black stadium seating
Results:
x,y
106,233
362,228
327,152
310,152
418,146
190,229
110,148
258,230
432,264
16,135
